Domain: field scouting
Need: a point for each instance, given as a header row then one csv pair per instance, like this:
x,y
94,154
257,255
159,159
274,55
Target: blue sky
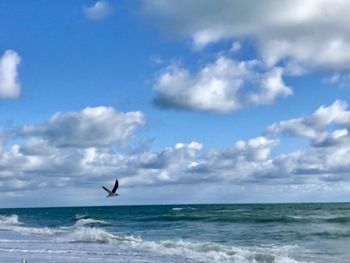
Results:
x,y
183,101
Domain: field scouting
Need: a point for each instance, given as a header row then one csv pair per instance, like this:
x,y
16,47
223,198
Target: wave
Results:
x,y
170,218
278,219
211,252
60,251
340,219
183,209
332,234
12,223
198,252
181,215
89,221
9,220
80,216
87,235
83,232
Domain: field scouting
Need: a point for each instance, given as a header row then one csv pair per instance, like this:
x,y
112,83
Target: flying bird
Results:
x,y
114,190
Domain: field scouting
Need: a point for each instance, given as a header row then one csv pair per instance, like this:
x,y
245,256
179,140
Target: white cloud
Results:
x,y
99,11
257,149
335,78
9,84
170,165
248,162
282,30
337,137
214,88
16,184
222,86
38,162
99,126
314,165
314,125
341,80
236,46
272,87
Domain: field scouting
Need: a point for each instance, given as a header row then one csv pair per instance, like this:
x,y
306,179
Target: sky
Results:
x,y
182,101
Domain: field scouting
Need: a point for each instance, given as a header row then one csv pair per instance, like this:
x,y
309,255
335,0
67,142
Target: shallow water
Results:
x,y
271,233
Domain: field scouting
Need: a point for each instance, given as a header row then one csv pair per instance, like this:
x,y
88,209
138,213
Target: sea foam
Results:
x,y
83,232
89,221
12,223
9,220
211,252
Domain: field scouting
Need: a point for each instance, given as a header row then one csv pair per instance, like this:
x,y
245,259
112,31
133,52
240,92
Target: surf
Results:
x,y
82,231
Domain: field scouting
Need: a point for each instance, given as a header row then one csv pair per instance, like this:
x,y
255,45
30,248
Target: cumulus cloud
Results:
x,y
281,30
39,161
223,86
214,88
9,84
337,137
71,148
99,126
257,149
326,159
272,86
170,165
314,125
99,11
314,165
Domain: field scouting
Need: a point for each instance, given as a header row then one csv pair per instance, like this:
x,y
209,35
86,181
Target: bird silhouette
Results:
x,y
114,190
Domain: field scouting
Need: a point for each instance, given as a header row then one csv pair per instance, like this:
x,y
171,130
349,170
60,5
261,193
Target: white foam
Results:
x,y
9,220
183,208
198,252
210,252
32,230
89,221
80,216
12,223
192,251
84,234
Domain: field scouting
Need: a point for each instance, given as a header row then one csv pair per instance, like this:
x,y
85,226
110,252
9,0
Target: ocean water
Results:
x,y
261,233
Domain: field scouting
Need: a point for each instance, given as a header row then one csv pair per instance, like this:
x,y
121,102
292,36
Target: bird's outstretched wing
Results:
x,y
106,189
115,186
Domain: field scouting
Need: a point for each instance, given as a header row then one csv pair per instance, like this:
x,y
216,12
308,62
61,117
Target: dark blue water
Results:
x,y
178,233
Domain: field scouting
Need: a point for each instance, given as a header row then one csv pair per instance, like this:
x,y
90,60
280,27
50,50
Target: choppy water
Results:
x,y
282,233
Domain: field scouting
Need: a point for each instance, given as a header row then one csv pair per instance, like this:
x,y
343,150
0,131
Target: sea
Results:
x,y
254,233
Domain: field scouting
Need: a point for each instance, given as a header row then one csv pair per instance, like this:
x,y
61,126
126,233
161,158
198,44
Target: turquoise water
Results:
x,y
178,233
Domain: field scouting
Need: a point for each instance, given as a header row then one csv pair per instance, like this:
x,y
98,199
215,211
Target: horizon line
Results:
x,y
177,204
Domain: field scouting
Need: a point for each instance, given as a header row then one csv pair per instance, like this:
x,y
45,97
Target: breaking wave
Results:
x,y
12,223
89,222
198,252
88,235
80,216
211,252
183,209
9,220
85,231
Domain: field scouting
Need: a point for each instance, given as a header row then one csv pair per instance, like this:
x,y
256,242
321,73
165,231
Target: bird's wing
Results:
x,y
115,186
106,189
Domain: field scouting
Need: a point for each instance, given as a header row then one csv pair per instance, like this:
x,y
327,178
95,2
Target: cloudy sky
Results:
x,y
182,101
